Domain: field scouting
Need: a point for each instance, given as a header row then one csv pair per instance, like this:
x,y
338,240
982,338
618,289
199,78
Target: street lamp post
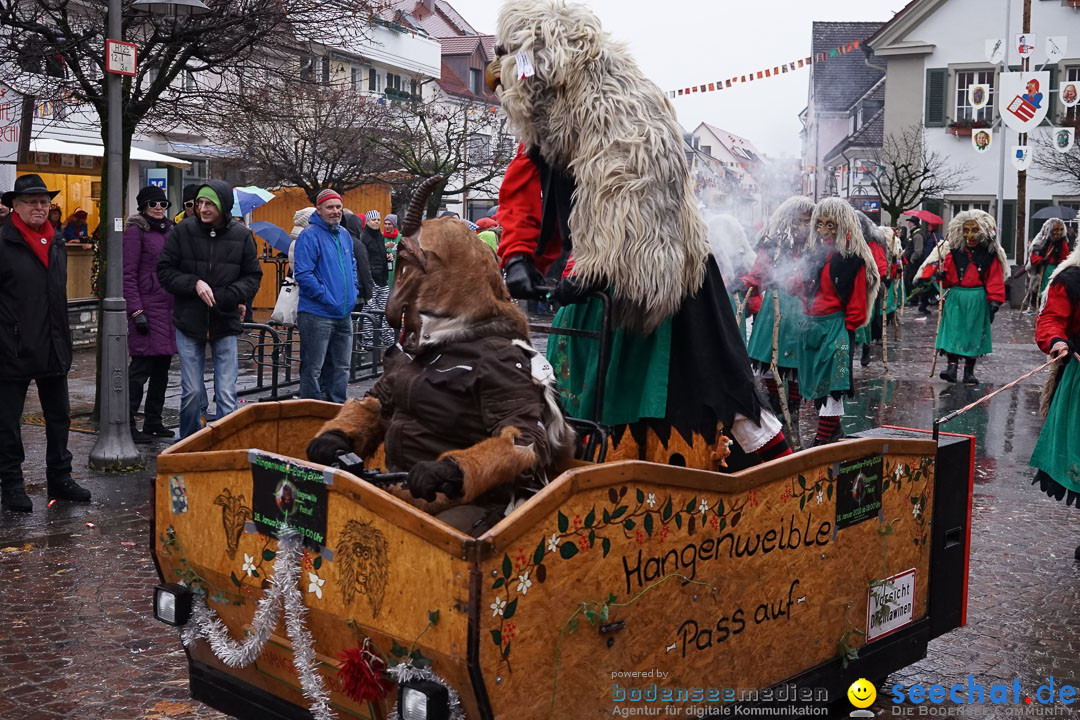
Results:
x,y
115,449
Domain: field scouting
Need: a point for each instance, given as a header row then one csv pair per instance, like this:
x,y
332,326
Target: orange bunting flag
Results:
x,y
728,83
759,74
767,73
711,87
807,61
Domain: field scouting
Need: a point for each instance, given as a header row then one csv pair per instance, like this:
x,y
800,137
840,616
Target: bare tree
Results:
x,y
1056,167
464,141
310,136
904,172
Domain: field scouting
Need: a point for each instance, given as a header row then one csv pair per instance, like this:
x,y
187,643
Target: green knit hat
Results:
x,y
208,193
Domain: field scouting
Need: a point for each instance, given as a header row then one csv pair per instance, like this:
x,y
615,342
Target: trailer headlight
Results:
x,y
423,700
172,604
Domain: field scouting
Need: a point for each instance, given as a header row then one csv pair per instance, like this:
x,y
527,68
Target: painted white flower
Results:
x,y
820,496
249,564
651,500
497,607
315,586
524,583
915,510
899,471
703,506
553,542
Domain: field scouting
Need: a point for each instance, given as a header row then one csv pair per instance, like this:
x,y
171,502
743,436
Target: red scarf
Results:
x,y
38,240
392,235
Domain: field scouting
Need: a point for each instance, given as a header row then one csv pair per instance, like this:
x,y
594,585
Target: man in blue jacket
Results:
x,y
326,273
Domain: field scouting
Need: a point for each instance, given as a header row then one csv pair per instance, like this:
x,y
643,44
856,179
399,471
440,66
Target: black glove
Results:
x,y
326,448
142,325
427,478
522,278
571,290
994,305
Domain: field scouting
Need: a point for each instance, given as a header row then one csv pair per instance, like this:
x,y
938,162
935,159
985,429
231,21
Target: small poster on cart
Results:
x,y
858,490
285,494
890,604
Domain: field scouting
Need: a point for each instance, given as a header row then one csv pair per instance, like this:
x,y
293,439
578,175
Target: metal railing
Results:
x,y
274,351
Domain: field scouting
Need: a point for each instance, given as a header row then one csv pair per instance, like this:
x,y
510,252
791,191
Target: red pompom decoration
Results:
x,y
363,674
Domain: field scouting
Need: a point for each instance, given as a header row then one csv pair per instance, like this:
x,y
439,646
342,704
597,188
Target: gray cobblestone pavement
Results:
x,y
78,640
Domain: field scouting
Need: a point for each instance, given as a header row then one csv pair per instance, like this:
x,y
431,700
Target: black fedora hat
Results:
x,y
28,185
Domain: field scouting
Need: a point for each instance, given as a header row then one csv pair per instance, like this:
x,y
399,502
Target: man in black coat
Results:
x,y
210,265
35,342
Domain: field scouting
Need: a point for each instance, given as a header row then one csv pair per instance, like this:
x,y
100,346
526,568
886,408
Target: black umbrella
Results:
x,y
492,211
1055,211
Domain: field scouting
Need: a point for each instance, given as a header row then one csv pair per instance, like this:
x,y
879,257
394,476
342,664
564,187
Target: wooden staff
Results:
x,y
740,307
781,388
941,314
885,330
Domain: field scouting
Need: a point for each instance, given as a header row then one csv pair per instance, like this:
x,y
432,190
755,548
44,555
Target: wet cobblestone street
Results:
x,y
78,639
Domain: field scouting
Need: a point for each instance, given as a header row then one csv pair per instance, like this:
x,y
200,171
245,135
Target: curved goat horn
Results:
x,y
416,206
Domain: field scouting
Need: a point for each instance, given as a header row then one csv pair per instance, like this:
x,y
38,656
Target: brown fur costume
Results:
x,y
449,297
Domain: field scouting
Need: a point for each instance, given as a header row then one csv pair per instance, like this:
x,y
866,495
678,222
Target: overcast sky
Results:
x,y
679,43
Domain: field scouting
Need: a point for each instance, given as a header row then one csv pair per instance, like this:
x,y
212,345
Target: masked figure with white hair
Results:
x,y
781,250
838,290
972,271
601,169
1057,332
1048,249
871,331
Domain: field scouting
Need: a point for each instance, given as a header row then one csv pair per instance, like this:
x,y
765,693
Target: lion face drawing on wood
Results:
x,y
363,561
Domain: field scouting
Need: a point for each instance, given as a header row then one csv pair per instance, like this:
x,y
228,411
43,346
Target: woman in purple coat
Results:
x,y
151,338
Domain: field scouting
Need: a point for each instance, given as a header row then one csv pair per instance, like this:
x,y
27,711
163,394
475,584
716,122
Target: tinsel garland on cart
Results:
x,y
406,672
205,623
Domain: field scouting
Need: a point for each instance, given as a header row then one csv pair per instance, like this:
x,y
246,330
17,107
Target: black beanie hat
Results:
x,y
148,193
191,190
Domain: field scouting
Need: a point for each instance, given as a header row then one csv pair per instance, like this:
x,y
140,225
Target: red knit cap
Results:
x,y
325,195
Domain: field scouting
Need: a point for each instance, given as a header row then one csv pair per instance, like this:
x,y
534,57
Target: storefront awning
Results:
x,y
61,147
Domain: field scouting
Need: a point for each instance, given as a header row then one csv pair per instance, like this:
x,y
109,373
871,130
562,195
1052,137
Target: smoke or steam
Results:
x,y
729,246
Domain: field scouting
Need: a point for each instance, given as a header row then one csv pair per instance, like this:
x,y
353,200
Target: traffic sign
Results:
x,y
120,57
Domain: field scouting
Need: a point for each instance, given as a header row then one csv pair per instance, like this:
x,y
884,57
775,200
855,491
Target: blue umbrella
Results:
x,y
271,233
246,199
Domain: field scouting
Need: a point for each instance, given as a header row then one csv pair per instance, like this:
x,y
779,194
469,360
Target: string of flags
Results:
x,y
771,72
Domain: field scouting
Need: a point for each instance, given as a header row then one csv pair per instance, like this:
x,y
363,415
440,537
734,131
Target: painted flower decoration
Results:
x,y
651,500
315,586
899,471
553,542
497,607
916,509
703,506
820,496
524,583
249,564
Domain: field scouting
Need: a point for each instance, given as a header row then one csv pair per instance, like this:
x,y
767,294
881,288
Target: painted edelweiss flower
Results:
x,y
553,542
703,506
651,500
916,509
899,471
820,496
524,583
497,607
249,564
315,586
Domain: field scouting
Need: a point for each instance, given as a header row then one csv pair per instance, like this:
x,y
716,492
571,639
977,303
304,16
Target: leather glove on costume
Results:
x,y
430,477
326,448
142,325
522,278
994,305
571,290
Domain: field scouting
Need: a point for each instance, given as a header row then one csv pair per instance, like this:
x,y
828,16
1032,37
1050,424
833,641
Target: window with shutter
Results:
x,y
936,83
1035,225
1007,231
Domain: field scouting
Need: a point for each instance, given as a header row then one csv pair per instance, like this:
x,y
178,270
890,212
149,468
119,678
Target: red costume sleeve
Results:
x,y
995,283
855,312
879,257
1053,322
759,274
520,212
1036,259
951,277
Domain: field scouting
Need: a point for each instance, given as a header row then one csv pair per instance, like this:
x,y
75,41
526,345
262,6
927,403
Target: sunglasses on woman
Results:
x,y
163,204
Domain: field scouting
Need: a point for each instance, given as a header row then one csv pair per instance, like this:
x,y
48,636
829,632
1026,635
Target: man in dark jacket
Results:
x,y
380,276
210,265
35,342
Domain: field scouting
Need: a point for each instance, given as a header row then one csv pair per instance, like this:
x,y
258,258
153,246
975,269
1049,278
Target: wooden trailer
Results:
x,y
621,588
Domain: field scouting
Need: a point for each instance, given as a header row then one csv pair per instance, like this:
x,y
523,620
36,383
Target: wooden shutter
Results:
x,y
937,83
1007,231
1052,93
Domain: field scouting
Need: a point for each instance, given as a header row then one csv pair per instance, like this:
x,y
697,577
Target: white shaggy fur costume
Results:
x,y
589,109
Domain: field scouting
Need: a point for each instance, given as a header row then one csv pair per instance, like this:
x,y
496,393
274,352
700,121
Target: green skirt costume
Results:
x,y
965,327
1057,453
1047,271
892,297
638,367
791,315
824,356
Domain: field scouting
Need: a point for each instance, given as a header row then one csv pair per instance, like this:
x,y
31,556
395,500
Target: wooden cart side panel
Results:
x,y
385,571
764,567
